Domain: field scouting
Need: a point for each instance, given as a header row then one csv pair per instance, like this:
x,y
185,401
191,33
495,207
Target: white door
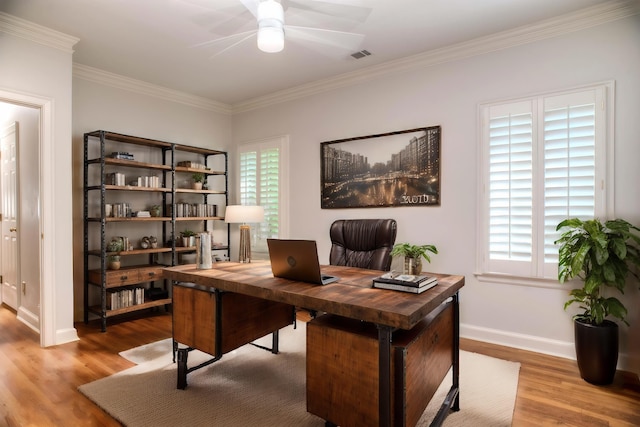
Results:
x,y
8,186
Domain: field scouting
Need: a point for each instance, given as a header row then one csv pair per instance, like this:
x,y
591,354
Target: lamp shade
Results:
x,y
244,214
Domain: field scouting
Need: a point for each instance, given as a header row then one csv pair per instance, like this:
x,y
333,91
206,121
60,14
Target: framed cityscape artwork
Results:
x,y
392,169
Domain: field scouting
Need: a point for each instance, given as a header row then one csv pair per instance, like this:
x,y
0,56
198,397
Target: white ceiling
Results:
x,y
155,40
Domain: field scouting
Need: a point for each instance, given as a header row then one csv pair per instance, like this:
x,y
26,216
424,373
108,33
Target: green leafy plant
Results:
x,y
115,245
187,233
198,177
414,251
600,254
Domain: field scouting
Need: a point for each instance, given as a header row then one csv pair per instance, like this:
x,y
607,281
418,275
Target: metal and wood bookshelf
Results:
x,y
160,179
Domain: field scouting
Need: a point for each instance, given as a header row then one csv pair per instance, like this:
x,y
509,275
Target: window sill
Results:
x,y
507,279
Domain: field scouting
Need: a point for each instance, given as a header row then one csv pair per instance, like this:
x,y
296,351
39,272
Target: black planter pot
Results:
x,y
597,351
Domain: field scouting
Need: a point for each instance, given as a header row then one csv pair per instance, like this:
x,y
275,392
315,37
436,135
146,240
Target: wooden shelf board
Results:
x,y
189,190
130,164
197,150
193,248
112,136
198,218
135,251
195,170
136,307
133,218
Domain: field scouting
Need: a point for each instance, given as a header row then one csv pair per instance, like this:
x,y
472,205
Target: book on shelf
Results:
x,y
406,288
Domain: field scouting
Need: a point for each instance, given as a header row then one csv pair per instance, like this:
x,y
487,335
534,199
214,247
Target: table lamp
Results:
x,y
244,215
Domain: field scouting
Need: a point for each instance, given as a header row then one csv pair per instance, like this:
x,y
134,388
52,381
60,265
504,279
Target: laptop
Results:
x,y
297,260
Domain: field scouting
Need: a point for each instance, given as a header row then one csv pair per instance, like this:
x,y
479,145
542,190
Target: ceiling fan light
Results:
x,y
270,39
270,26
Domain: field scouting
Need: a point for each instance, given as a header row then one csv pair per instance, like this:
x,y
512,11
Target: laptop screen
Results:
x,y
297,260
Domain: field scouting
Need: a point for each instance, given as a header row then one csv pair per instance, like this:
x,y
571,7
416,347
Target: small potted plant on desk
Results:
x,y
198,179
600,254
413,255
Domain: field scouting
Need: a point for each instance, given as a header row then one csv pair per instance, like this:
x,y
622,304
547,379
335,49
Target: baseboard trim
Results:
x,y
66,335
29,318
524,342
564,349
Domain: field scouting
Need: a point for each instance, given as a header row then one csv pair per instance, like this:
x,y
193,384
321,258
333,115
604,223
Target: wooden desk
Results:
x,y
351,297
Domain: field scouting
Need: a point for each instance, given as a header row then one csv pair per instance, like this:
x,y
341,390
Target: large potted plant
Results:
x,y
413,255
602,255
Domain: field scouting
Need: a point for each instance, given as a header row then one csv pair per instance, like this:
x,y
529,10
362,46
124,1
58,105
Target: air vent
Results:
x,y
361,54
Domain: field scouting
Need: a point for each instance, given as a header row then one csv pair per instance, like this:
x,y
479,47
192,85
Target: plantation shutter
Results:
x,y
569,163
511,134
545,162
248,178
260,167
269,193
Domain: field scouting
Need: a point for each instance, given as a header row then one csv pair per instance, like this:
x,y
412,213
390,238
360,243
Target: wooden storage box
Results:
x,y
241,318
342,368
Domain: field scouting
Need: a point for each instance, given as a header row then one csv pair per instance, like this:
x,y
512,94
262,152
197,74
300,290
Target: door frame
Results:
x,y
46,208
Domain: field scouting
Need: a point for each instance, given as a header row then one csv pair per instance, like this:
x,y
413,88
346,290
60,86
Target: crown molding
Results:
x,y
36,33
586,18
106,78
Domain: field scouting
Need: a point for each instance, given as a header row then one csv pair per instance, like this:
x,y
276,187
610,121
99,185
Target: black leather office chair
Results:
x,y
365,243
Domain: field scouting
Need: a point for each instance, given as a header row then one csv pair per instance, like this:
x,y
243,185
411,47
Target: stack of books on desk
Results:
x,y
405,282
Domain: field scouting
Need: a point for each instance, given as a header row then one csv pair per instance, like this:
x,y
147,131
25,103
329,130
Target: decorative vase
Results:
x,y
197,186
412,265
596,351
155,212
113,265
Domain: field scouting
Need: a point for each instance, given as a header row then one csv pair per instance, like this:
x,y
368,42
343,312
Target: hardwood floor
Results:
x,y
38,387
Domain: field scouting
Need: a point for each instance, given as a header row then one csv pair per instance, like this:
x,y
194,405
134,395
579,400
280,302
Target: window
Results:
x,y
544,159
263,180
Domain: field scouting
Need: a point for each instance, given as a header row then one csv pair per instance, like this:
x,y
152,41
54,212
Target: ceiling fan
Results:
x,y
271,28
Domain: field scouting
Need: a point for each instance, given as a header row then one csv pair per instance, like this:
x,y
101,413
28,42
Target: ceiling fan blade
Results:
x,y
334,8
252,6
338,39
222,19
226,39
232,46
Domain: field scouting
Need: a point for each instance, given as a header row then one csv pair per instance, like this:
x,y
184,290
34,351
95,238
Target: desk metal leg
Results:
x,y
183,355
452,399
384,376
456,351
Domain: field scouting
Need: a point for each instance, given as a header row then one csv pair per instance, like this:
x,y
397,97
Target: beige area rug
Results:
x,y
251,386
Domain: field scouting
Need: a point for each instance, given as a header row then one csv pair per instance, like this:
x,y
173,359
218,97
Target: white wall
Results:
x,y
39,74
448,95
99,106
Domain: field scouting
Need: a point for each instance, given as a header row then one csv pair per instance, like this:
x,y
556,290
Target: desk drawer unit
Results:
x,y
217,324
342,368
